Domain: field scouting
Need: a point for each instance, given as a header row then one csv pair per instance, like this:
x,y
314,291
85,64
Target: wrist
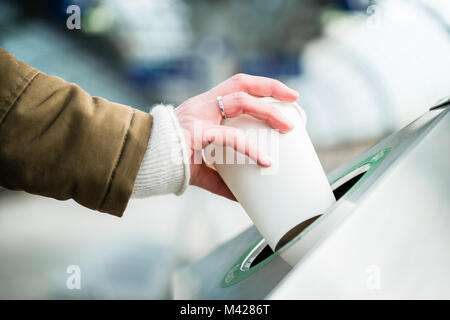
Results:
x,y
165,166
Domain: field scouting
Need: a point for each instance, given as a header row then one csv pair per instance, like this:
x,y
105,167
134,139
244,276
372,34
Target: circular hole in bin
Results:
x,y
262,250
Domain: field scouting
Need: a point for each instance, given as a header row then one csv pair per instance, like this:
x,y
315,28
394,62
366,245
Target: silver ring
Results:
x,y
222,109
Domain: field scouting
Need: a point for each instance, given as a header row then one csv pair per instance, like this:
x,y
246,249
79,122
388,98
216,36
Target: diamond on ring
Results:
x,y
222,109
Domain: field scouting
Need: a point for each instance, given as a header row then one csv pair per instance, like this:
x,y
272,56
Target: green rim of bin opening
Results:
x,y
235,274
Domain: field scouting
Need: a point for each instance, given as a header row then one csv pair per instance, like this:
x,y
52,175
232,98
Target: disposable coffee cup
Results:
x,y
292,190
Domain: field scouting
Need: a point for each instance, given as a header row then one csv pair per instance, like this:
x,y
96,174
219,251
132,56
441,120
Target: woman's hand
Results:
x,y
200,116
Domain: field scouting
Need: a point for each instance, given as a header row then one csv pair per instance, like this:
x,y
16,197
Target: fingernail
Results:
x,y
294,92
265,160
288,122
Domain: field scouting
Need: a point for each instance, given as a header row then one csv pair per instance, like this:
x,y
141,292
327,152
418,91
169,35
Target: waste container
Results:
x,y
387,236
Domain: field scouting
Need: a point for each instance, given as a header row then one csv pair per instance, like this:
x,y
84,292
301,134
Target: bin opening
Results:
x,y
342,185
340,188
265,253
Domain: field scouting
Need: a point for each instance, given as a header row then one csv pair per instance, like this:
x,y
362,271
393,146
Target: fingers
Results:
x,y
236,139
240,102
210,180
257,86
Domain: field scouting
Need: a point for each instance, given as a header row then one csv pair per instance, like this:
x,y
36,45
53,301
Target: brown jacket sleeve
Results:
x,y
58,141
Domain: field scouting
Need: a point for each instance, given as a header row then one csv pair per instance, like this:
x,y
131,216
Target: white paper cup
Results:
x,y
289,192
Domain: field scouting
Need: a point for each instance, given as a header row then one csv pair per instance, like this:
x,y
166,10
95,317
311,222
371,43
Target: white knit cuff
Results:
x,y
165,166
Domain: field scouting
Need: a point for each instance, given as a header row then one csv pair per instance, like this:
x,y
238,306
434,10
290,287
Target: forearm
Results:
x,y
58,141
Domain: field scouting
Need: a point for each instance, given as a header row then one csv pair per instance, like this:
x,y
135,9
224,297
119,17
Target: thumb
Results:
x,y
210,180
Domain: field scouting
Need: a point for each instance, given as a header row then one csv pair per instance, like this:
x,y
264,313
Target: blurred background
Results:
x,y
363,68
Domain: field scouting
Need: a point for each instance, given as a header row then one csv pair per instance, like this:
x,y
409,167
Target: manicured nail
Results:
x,y
288,122
294,92
265,160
